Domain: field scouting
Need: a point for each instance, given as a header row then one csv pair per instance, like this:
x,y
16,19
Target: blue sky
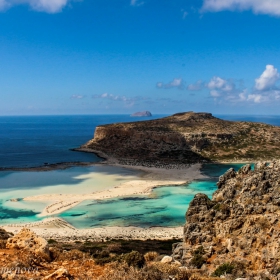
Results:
x,y
123,56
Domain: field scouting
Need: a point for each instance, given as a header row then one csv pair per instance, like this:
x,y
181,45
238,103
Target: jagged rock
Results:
x,y
28,240
245,169
61,273
241,223
167,259
4,234
224,178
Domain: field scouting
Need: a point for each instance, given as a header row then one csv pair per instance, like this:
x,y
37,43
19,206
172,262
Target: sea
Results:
x,y
32,141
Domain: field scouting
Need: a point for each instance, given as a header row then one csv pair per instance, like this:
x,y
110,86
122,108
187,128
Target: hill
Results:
x,y
185,138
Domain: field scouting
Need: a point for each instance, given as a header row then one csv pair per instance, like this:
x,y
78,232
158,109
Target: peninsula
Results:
x,y
185,138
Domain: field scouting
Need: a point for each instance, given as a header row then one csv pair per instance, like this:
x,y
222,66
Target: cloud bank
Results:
x,y
264,90
176,83
270,7
49,6
128,101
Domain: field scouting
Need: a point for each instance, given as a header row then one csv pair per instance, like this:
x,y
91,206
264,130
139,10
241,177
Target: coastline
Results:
x,y
148,179
143,185
151,177
59,230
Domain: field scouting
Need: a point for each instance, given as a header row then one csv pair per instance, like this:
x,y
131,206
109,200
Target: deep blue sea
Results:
x,y
33,141
29,141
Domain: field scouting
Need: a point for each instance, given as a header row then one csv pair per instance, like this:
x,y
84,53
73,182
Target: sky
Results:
x,y
123,56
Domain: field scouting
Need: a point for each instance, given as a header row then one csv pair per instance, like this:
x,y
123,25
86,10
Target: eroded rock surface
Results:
x,y
28,240
240,225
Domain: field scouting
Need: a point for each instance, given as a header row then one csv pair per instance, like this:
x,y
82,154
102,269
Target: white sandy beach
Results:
x,y
143,185
60,230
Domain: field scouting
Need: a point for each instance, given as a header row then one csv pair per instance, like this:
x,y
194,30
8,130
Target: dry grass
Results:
x,y
151,256
156,271
72,255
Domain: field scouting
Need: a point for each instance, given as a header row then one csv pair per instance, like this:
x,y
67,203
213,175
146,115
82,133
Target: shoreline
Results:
x,y
151,177
143,185
50,167
60,230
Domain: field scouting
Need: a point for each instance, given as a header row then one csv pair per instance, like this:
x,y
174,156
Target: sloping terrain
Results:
x,y
186,138
240,227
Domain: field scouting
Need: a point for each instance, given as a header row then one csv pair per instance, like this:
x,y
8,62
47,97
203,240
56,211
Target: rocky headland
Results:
x,y
185,138
237,232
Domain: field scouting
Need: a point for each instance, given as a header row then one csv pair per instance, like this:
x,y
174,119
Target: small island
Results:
x,y
142,114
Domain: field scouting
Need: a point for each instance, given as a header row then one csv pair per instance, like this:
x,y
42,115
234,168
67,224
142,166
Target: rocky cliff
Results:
x,y
239,228
186,138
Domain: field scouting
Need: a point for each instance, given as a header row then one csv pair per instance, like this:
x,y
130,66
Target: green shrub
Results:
x,y
225,268
198,260
103,257
199,251
134,258
52,241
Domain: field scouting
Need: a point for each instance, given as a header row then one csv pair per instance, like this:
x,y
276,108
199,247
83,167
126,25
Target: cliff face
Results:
x,y
186,138
240,225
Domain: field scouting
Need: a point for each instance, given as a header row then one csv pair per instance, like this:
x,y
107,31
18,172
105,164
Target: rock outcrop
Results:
x,y
240,225
28,240
185,138
142,114
4,235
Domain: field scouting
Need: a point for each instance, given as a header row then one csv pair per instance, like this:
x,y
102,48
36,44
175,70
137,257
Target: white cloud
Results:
x,y
74,96
221,87
215,93
217,83
271,7
267,79
199,85
176,83
256,98
185,13
136,3
128,101
49,6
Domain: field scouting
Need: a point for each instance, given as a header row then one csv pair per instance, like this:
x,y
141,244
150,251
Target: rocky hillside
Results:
x,y
26,256
186,138
238,230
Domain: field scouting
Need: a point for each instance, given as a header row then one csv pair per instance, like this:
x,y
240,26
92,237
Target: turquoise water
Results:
x,y
165,206
17,185
34,141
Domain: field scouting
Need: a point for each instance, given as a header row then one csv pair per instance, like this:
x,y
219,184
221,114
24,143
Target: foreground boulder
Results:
x,y
4,235
28,240
239,228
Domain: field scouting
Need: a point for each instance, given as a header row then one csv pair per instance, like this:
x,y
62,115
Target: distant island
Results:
x,y
142,114
185,138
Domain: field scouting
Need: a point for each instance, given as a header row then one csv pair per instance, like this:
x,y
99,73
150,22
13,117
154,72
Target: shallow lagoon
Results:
x,y
22,184
165,206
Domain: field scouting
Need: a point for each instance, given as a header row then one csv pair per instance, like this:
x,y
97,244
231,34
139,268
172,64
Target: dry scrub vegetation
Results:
x,y
93,260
